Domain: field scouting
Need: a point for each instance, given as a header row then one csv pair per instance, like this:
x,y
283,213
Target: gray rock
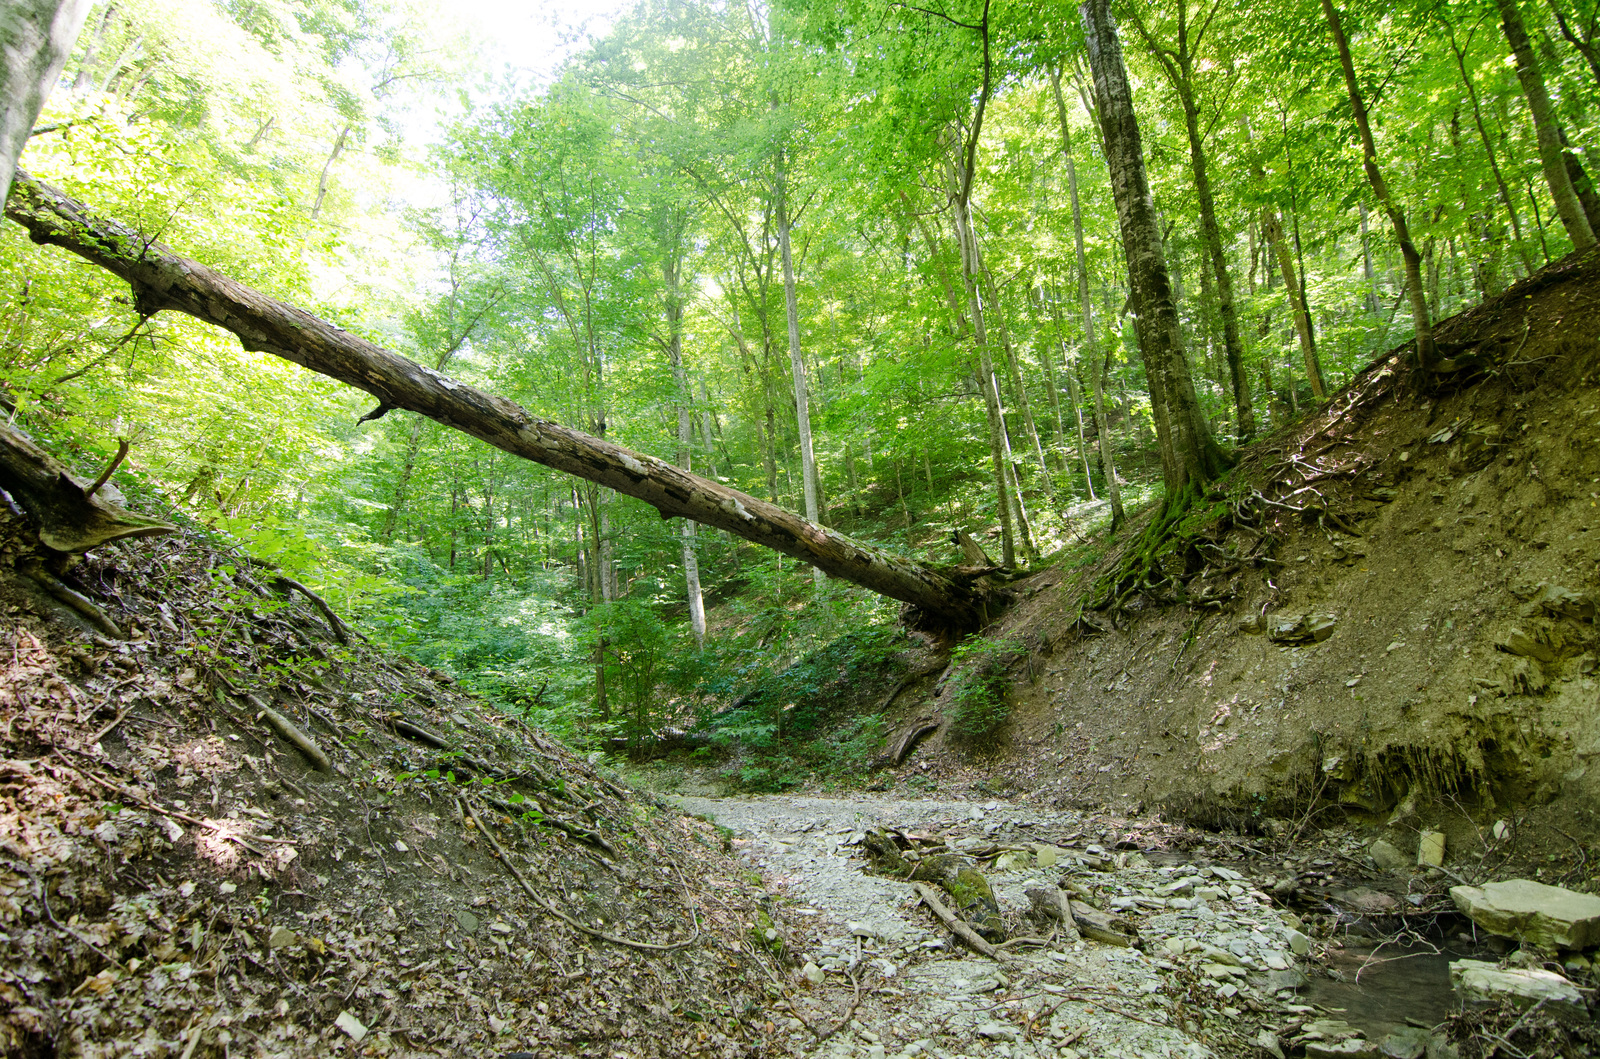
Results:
x,y
281,937
1388,856
468,921
1482,982
1299,944
1430,850
1409,1043
1289,979
1300,628
1546,917
1349,1048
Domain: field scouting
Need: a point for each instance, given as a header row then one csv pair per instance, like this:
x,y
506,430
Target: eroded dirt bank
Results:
x,y
1448,542
178,879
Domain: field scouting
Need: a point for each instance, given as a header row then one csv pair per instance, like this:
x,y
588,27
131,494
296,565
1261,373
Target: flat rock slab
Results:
x,y
1484,982
1546,917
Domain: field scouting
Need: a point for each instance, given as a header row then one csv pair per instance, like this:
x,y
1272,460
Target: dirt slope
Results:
x,y
1457,559
178,880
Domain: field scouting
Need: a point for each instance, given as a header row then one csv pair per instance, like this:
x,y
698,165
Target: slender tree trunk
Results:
x,y
327,167
1397,217
1053,386
672,276
797,363
1179,67
1488,149
971,269
1584,44
36,36
85,76
1189,454
1366,263
1545,126
1582,186
1072,394
1272,227
1014,371
1086,312
1077,419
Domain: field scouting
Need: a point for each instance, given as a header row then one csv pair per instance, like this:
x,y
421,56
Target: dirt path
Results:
x,y
1214,953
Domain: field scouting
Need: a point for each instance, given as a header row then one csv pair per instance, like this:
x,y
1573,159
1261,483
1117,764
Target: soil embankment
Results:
x,y
409,873
1444,543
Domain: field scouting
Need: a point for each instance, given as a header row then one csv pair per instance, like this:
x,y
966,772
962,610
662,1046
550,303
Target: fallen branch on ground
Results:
x,y
548,906
956,927
291,732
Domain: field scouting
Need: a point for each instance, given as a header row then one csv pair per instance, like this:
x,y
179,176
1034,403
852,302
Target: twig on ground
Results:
x,y
144,803
102,733
548,906
366,820
44,899
956,927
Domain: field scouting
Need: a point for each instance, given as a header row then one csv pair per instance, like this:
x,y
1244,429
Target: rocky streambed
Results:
x,y
1209,955
1218,966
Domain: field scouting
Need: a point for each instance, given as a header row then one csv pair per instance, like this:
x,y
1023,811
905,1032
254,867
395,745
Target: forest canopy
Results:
x,y
883,264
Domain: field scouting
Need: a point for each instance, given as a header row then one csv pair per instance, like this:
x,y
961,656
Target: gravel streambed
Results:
x,y
1218,961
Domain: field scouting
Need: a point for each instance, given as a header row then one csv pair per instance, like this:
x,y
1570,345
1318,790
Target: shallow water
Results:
x,y
1389,989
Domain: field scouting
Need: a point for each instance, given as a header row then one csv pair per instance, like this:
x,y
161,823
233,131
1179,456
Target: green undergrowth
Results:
x,y
815,719
978,706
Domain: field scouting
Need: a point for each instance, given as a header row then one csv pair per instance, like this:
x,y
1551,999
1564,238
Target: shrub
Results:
x,y
978,707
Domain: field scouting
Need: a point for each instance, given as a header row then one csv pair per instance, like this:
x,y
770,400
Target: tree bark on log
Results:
x,y
68,516
162,279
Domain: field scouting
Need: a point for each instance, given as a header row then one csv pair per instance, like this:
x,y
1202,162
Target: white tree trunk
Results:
x,y
797,363
35,38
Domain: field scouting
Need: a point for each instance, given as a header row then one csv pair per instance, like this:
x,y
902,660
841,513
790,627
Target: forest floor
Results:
x,y
179,881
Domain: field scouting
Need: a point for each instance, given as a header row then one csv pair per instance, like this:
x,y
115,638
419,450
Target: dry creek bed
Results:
x,y
1219,960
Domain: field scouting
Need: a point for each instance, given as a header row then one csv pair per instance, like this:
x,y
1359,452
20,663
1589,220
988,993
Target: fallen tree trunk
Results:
x,y
69,516
162,279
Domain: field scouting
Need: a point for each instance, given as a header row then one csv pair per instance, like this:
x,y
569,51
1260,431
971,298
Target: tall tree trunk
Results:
x,y
1086,309
1272,229
1366,264
1178,65
1488,147
672,276
1397,217
1190,456
327,167
1014,372
1545,126
797,363
1585,44
91,53
163,280
1048,362
36,36
1582,186
971,270
1072,391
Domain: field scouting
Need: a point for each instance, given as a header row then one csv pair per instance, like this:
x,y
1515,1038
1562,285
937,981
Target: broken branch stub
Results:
x,y
68,516
162,279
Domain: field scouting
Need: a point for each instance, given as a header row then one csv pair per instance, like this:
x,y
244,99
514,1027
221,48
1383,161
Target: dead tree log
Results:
x,y
68,515
162,279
